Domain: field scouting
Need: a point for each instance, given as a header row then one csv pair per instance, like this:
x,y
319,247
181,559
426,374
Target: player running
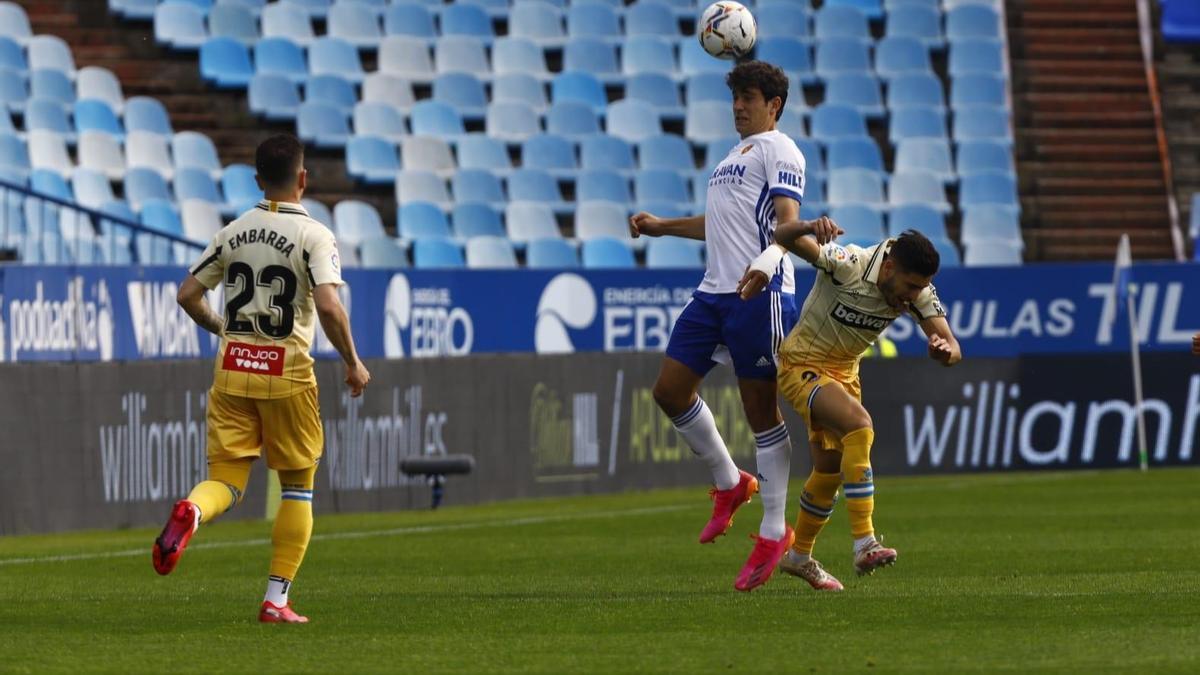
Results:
x,y
758,184
857,294
277,264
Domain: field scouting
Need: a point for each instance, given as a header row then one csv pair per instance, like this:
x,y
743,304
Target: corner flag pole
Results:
x,y
1122,283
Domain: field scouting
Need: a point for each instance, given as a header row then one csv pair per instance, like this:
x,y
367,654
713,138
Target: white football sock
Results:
x,y
277,590
774,467
798,558
863,542
699,429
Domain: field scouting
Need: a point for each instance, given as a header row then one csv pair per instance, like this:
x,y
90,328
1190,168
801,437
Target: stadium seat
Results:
x,y
693,59
511,55
383,252
384,88
95,115
241,190
977,156
915,122
280,56
834,21
858,90
982,123
947,252
916,21
982,224
355,221
988,187
511,122
526,221
605,152
421,220
14,23
842,55
662,186
674,253
406,58
372,160
101,152
538,21
853,152
602,219
143,113
467,20
551,153
51,183
703,87
462,91
427,153
143,185
896,56
571,119
979,89
318,211
972,22
461,54
490,252
14,157
379,119
598,185
1180,21
648,54
717,150
476,219
413,185
46,115
976,56
437,254
225,62
519,88
784,19
410,19
477,186
593,20
923,90
13,93
434,118
179,25
837,121
856,186
51,85
660,91
861,223
322,125
97,83
159,215
633,121
992,253
12,55
354,23
193,183
607,253
665,151
650,17
331,90
50,52
814,159
579,87
91,187
287,21
589,55
48,150
483,151
550,253
926,154
194,149
233,21
274,97
201,220
331,56
791,54
918,187
709,121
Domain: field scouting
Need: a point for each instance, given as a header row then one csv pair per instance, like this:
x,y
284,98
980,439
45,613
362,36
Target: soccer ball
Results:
x,y
727,30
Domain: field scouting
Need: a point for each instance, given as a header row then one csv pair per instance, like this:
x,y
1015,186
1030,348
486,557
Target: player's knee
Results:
x,y
860,419
670,399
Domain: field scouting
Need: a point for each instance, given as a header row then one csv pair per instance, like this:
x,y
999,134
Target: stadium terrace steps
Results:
x,y
1087,153
1179,78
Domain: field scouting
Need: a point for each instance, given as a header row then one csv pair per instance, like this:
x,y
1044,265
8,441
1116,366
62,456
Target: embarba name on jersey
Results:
x,y
262,236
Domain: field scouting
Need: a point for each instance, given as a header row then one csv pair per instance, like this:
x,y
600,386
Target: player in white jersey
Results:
x,y
857,293
759,183
280,272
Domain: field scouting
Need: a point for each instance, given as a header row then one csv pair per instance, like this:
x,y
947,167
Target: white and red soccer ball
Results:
x,y
727,30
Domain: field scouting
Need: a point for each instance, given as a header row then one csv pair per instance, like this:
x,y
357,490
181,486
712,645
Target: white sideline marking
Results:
x,y
364,534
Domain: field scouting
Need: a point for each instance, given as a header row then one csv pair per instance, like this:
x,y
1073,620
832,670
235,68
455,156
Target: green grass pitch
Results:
x,y
1048,572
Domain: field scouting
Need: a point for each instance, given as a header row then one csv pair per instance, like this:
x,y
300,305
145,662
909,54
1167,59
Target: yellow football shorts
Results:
x,y
288,429
799,384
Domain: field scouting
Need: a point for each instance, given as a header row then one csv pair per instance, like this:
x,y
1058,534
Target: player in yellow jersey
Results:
x,y
858,292
280,272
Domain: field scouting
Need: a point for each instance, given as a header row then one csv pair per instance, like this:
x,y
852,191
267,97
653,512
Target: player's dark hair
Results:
x,y
760,75
278,159
913,252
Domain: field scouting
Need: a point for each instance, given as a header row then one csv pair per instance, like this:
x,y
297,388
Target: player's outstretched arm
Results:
x,y
337,329
943,347
650,225
793,235
193,301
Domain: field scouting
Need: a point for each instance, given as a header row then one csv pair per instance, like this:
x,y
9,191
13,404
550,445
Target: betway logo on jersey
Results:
x,y
856,318
257,359
78,324
160,325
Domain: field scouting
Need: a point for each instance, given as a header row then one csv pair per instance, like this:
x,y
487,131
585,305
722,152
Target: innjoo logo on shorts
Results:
x,y
260,359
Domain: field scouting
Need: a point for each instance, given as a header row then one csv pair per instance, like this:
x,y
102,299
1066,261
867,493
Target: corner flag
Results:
x,y
1122,296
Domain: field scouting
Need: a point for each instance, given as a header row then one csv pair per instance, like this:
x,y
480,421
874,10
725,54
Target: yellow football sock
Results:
x,y
816,503
224,488
293,523
858,482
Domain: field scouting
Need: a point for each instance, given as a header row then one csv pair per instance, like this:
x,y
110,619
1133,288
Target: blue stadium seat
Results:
x,y
13,94
477,186
101,151
835,121
581,87
854,152
241,190
708,121
476,219
993,253
193,149
718,149
95,115
372,160
590,19
14,22
482,151
924,90
979,89
526,221
422,220
861,223
538,21
599,185
834,21
496,9
421,186
225,62
606,152
12,56
161,215
674,253
143,185
813,157
194,183
648,54
897,56
464,92
355,221
331,90
926,154
14,157
51,85
489,252
322,125
972,22
512,55
46,115
650,17
434,118
550,253
48,150
91,188
791,54
437,254
379,119
233,21
406,58
331,56
916,21
1180,21
976,56
633,121
50,52
356,23
914,122
947,252
467,20
512,122
427,153
708,87
665,151
858,90
977,156
551,153
590,55
318,211
995,188
274,97
93,82
287,21
918,187
982,123
50,183
607,253
660,185
410,19
982,224
693,59
179,25
143,113
461,54
603,219
856,186
520,88
784,19
280,56
387,253
842,55
571,119
873,9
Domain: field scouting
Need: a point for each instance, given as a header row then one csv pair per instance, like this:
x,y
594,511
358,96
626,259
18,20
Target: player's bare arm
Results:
x,y
650,225
943,347
802,237
337,328
193,301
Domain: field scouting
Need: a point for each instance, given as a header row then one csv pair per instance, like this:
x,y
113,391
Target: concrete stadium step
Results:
x,y
1092,203
1085,169
1097,82
1084,151
1059,136
1097,18
1061,185
1076,35
1085,101
1094,119
1079,67
1055,50
1067,219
